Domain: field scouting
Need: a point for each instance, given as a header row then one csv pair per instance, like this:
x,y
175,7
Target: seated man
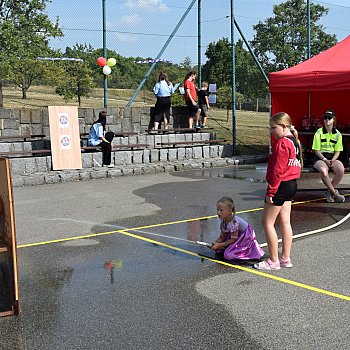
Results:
x,y
327,144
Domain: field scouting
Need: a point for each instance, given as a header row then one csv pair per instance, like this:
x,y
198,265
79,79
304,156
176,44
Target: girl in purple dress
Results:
x,y
237,240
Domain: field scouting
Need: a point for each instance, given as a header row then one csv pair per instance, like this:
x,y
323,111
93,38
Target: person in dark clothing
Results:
x,y
203,99
99,137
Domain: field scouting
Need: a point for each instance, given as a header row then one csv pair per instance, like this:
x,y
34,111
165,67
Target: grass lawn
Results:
x,y
43,96
252,128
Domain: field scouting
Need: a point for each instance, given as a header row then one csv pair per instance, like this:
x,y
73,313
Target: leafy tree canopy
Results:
x,y
217,69
281,41
25,30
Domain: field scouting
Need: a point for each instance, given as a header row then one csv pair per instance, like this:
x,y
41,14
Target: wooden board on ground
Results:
x,y
65,137
9,295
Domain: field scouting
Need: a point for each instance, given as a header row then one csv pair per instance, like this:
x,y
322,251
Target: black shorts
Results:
x,y
286,192
327,155
161,108
192,109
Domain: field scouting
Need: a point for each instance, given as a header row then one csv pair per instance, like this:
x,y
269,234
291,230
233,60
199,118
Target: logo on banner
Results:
x,y
63,120
65,142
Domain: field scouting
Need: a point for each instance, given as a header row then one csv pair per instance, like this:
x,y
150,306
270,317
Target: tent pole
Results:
x,y
308,30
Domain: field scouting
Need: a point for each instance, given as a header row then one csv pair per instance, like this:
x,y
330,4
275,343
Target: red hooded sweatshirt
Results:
x,y
284,164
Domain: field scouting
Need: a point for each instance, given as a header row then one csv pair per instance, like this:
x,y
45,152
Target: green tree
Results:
x,y
75,81
25,30
186,64
126,74
224,99
218,67
281,41
249,80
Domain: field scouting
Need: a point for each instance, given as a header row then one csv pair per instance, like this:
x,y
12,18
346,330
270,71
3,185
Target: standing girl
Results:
x,y
237,240
162,90
99,137
284,167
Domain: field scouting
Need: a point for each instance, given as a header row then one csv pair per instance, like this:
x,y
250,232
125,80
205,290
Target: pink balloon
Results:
x,y
101,61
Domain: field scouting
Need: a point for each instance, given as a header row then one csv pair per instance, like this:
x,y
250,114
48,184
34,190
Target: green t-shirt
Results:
x,y
325,142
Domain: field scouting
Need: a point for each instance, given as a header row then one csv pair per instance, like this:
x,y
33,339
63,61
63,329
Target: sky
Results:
x,y
141,28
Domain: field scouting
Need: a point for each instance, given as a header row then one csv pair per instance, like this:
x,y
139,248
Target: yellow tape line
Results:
x,y
238,267
91,235
142,227
60,240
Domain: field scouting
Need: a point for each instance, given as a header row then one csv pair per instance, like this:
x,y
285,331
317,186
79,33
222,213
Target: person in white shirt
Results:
x,y
163,90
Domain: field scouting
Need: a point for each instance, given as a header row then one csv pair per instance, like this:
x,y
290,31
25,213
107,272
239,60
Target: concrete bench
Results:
x,y
116,147
176,130
21,137
190,143
85,135
28,153
83,149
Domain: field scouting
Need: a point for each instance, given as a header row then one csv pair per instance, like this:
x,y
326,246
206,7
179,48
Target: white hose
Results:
x,y
315,231
262,244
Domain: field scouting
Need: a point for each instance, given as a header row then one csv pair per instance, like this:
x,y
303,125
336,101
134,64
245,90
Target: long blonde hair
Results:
x,y
229,203
283,118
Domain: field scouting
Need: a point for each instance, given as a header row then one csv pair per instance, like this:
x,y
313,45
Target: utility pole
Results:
x,y
105,79
233,78
199,44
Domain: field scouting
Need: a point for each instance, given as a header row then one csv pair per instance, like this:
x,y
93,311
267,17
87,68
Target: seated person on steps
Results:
x,y
99,137
327,145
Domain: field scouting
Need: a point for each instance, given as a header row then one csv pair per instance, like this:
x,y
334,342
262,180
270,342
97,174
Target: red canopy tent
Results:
x,y
311,87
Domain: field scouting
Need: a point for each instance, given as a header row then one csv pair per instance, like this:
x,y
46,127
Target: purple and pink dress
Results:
x,y
245,246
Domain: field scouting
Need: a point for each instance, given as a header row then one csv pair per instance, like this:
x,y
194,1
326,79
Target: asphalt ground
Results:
x,y
105,264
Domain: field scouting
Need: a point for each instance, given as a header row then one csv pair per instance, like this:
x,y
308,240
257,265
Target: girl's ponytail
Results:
x,y
296,135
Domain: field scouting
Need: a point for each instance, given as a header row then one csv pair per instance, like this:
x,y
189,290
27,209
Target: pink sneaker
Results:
x,y
285,263
267,265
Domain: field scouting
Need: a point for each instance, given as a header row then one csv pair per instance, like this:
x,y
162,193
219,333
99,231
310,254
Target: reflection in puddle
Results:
x,y
110,265
245,173
248,179
195,229
113,264
56,278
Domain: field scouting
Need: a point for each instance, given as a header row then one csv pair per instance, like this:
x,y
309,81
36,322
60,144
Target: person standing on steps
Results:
x,y
190,97
163,90
203,98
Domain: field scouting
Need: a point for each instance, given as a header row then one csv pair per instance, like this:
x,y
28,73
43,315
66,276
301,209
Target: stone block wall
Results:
x,y
36,121
38,170
28,170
